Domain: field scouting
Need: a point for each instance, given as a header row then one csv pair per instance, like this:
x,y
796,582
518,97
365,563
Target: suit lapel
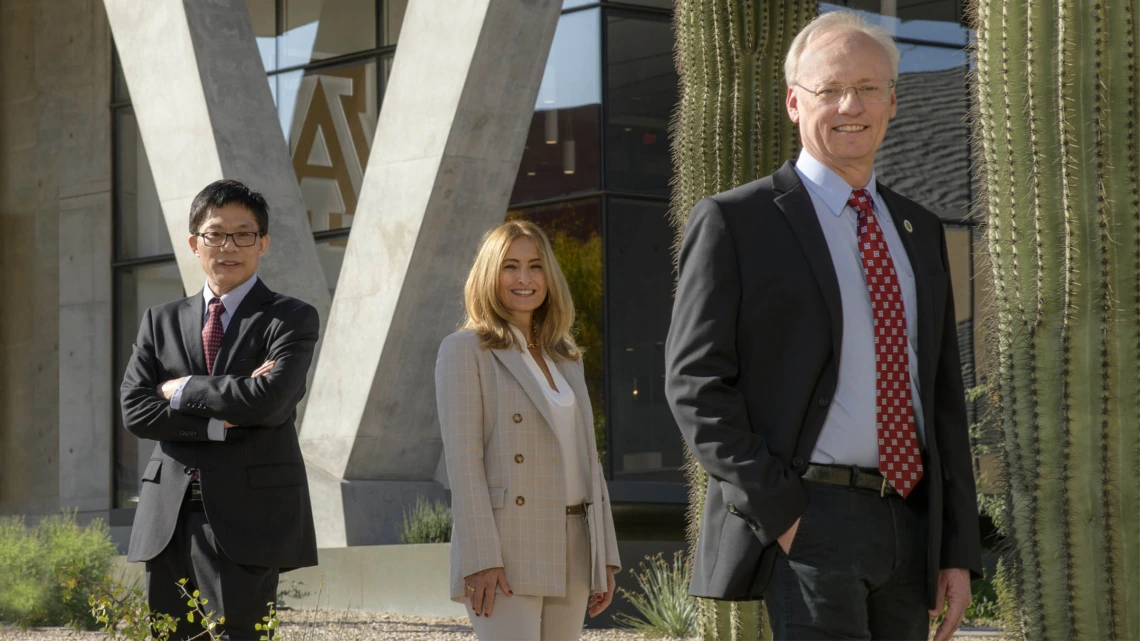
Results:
x,y
797,207
899,210
244,317
512,358
190,321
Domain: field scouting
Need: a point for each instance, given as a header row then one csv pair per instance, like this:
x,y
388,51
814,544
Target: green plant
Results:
x,y
665,606
427,523
1056,90
729,128
32,557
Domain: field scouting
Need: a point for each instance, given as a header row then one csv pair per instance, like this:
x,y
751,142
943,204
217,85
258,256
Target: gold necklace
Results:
x,y
532,344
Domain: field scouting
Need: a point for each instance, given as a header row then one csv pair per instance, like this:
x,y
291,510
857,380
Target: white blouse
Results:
x,y
567,427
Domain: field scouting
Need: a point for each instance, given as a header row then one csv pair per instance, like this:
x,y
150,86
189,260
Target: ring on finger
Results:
x,y
471,588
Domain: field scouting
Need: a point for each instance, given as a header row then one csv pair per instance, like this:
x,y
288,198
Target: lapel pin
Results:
x,y
909,228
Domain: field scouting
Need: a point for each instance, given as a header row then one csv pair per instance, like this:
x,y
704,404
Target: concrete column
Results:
x,y
448,143
205,112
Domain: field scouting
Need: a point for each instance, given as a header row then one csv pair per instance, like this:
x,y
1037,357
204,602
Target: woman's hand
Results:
x,y
481,589
600,602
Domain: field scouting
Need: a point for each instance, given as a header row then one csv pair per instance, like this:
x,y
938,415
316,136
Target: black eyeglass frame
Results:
x,y
228,237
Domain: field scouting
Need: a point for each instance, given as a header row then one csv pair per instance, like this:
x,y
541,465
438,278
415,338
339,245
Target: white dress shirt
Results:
x,y
216,428
849,435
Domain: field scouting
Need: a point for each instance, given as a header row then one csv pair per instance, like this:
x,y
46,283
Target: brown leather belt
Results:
x,y
850,476
577,510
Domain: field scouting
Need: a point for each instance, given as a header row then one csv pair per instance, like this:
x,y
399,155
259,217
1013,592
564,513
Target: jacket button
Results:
x,y
798,461
731,508
517,418
520,500
823,401
519,458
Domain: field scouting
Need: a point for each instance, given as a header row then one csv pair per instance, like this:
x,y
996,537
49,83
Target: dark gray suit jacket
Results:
x,y
254,486
752,363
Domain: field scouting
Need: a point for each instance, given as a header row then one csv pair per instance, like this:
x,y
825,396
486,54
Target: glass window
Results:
x,y
392,19
642,93
663,4
561,155
136,289
575,231
919,58
926,153
263,17
330,253
331,116
927,20
646,444
140,229
319,29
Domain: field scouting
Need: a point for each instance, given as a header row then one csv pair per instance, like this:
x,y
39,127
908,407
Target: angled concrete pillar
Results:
x,y
205,112
448,144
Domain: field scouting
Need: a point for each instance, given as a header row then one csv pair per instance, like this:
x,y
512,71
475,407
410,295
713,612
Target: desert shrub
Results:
x,y
31,560
664,603
428,522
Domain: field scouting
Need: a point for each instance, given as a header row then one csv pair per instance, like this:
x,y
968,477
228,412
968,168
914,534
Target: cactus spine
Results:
x,y
1055,112
730,128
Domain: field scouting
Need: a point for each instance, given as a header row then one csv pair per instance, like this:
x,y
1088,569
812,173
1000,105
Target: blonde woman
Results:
x,y
533,546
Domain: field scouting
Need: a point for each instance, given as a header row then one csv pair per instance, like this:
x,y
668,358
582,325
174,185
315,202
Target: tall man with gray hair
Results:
x,y
812,366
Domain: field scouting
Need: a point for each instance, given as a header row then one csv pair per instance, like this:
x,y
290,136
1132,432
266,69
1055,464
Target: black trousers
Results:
x,y
856,569
238,592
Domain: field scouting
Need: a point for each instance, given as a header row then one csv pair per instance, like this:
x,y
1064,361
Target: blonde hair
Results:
x,y
838,21
486,313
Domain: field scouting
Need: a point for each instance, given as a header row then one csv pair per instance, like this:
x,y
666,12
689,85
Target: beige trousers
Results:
x,y
537,618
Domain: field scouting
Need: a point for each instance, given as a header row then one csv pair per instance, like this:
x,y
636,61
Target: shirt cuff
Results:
x,y
216,429
176,400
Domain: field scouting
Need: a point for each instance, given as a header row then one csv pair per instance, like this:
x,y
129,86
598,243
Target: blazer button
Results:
x,y
517,418
519,458
823,401
520,501
798,461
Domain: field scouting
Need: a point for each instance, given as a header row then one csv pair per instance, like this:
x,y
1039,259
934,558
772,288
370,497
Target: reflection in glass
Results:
x,y
646,444
331,116
917,58
392,19
575,231
330,253
926,153
642,94
136,290
263,18
561,154
928,20
140,228
319,29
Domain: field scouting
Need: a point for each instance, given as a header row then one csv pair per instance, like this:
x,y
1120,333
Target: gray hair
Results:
x,y
838,21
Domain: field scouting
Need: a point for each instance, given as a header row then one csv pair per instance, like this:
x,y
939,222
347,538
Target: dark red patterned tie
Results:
x,y
212,333
900,460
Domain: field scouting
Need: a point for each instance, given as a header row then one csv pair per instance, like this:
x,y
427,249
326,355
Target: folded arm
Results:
x,y
267,400
146,413
701,365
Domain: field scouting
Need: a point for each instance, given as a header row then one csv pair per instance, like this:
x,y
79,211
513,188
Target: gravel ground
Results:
x,y
366,626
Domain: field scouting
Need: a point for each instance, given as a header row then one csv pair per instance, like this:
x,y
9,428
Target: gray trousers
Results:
x,y
238,592
856,569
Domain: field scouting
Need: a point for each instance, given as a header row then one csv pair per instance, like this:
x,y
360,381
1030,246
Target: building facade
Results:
x,y
85,248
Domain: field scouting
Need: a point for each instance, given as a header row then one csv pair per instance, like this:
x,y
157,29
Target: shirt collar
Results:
x,y
827,185
232,298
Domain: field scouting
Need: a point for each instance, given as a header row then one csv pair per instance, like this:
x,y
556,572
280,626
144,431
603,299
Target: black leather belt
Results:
x,y
850,476
577,510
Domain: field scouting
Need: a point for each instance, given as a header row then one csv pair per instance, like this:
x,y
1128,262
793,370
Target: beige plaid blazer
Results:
x,y
505,469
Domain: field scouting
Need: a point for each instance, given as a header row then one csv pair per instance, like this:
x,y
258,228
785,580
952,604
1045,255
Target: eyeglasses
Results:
x,y
869,93
241,238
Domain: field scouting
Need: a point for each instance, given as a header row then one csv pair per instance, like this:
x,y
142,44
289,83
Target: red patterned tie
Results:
x,y
900,460
212,333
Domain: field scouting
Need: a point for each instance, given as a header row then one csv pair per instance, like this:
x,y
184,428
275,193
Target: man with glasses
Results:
x,y
812,366
215,379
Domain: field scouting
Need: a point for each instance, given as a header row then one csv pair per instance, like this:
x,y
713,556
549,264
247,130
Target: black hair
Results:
x,y
224,192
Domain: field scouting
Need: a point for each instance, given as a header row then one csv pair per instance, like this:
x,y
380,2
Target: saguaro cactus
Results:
x,y
730,128
1056,92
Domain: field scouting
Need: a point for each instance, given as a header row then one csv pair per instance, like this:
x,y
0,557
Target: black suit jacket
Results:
x,y
254,486
752,363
